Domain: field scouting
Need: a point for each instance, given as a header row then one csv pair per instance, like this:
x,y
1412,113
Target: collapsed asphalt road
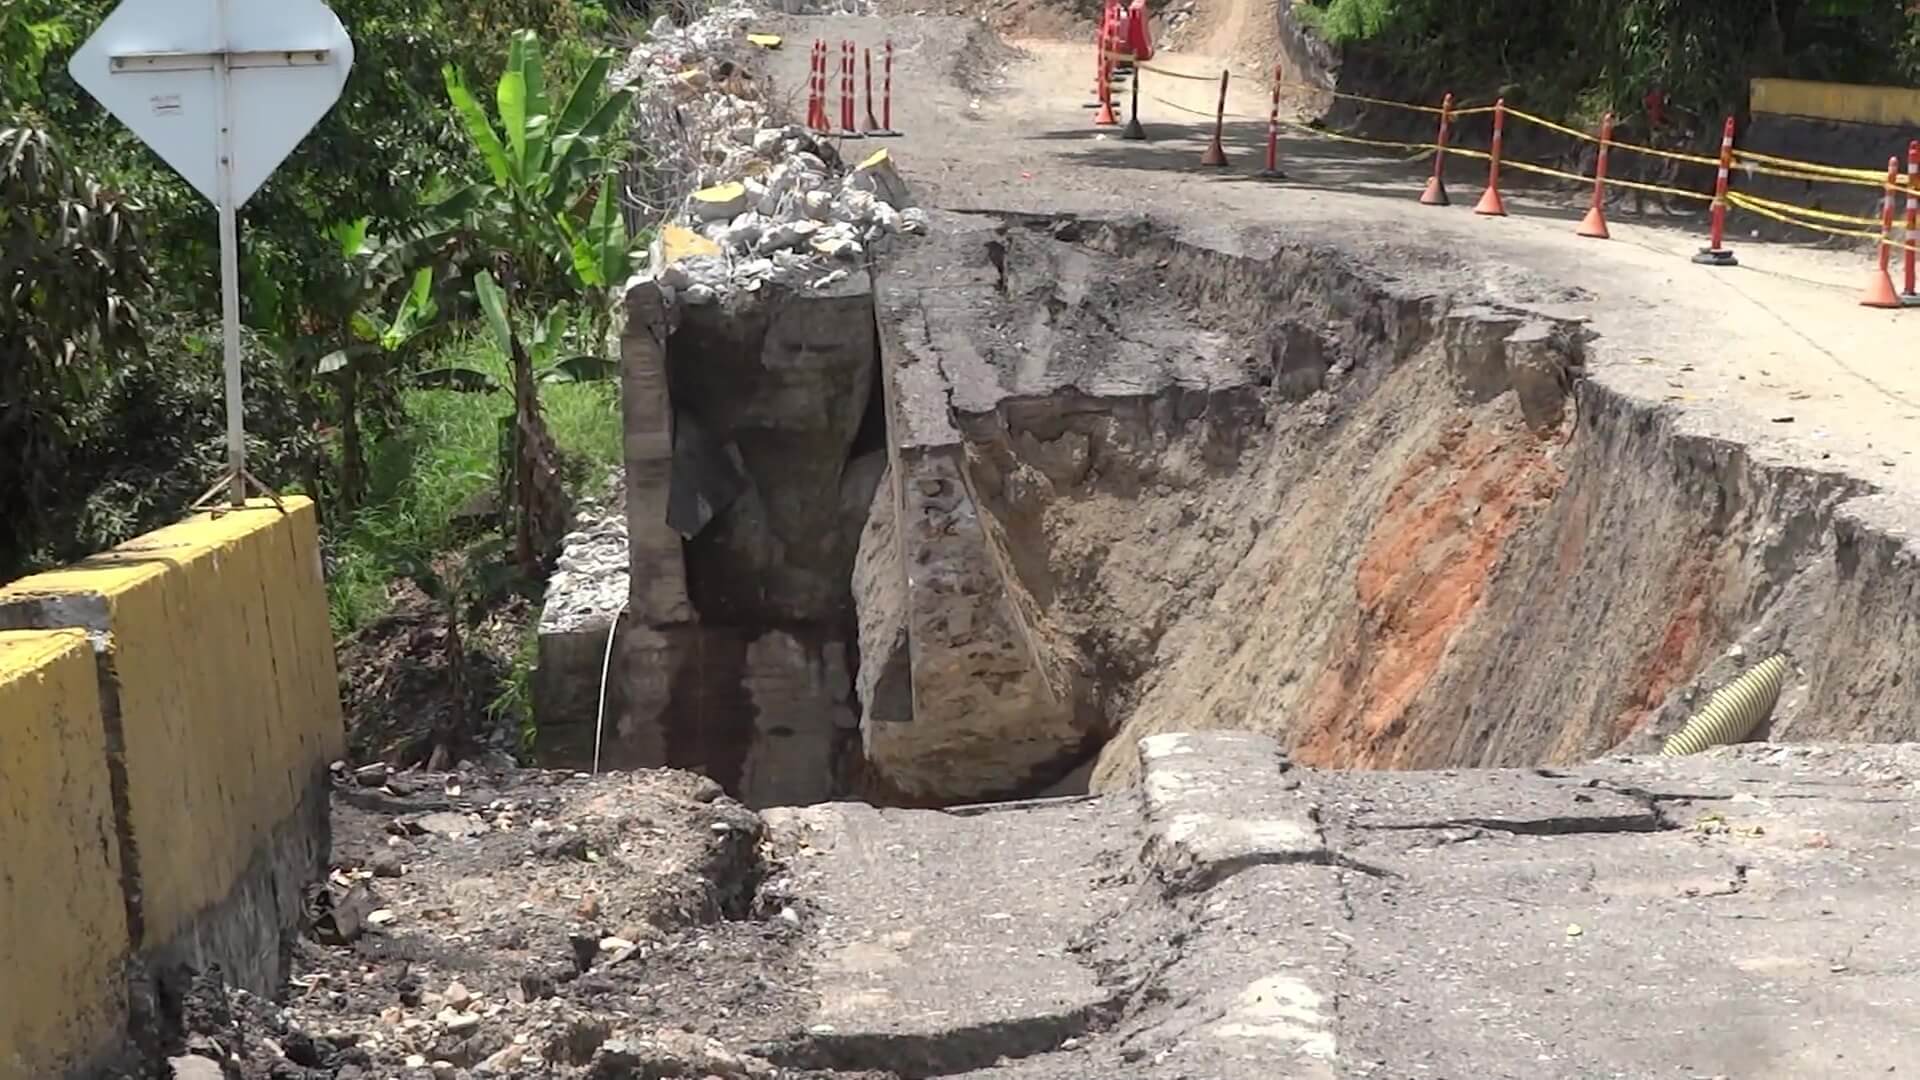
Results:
x,y
1742,914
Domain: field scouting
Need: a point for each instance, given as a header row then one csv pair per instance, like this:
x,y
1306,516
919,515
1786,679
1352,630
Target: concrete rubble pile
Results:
x,y
584,597
757,200
592,571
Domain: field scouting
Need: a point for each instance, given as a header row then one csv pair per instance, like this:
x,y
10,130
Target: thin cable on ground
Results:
x,y
606,665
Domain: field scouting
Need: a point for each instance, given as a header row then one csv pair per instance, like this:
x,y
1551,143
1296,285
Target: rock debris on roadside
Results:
x,y
747,199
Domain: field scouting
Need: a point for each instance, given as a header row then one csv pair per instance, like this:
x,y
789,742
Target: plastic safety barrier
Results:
x,y
1883,230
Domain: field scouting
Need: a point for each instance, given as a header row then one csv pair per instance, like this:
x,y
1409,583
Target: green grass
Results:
x,y
444,455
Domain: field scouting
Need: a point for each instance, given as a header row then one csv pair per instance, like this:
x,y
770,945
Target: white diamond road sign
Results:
x,y
155,64
222,90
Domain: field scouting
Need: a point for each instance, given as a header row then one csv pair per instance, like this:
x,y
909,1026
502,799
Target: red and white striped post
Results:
x,y
1491,204
1594,225
1912,236
1436,191
886,94
826,92
1880,292
848,128
1272,171
1216,154
816,87
1717,253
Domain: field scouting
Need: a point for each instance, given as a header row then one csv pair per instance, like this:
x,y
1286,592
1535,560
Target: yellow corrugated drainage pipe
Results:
x,y
1732,712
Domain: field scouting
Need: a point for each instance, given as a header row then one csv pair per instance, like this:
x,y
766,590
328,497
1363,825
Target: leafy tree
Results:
x,y
350,338
73,275
1587,56
30,31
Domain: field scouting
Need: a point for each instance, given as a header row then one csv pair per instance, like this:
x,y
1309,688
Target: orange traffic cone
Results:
x,y
1105,117
1491,204
1436,193
1880,292
1594,225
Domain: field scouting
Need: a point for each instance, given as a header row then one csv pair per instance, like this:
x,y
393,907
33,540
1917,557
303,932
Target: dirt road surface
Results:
x,y
1236,918
1741,914
1775,354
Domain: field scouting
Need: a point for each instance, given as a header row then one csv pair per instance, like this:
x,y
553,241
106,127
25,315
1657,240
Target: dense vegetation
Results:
x,y
425,296
395,262
1582,57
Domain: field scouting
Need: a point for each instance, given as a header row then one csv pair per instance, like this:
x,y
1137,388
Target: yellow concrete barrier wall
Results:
x,y
1888,106
63,928
219,664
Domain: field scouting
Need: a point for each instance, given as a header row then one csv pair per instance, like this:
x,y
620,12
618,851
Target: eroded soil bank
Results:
x,y
1140,483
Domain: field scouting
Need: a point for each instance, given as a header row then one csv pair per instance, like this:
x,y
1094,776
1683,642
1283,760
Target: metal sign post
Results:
x,y
223,93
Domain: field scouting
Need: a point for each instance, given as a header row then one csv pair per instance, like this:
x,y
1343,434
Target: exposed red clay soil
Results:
x,y
1676,655
1426,567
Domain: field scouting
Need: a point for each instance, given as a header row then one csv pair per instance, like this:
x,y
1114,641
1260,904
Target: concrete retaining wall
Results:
x,y
63,927
751,459
209,713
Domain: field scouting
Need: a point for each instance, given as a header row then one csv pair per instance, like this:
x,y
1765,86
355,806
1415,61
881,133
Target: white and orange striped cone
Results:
x,y
1716,253
1272,170
1879,293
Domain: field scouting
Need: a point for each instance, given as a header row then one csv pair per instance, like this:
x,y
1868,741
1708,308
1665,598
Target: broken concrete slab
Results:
x,y
946,941
1738,915
1521,802
1733,952
1217,802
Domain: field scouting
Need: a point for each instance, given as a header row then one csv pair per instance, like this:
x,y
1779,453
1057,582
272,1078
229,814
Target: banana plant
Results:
x,y
545,344
370,345
548,198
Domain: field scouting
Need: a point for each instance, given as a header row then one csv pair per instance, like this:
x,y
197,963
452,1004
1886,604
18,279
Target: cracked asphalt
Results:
x,y
1740,914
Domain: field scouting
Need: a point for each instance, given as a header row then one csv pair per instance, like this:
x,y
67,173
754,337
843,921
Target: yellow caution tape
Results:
x,y
1806,211
1612,144
1432,110
1788,213
1632,185
1168,72
1769,164
1749,204
1813,177
1836,172
1420,150
1209,113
